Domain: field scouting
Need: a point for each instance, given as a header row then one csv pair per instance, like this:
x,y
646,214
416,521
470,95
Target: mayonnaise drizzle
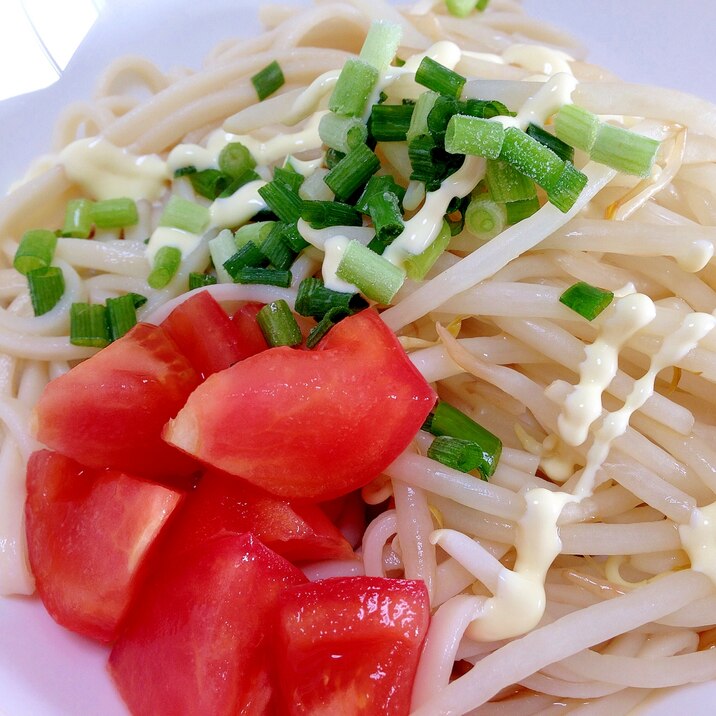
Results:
x,y
238,208
335,248
421,230
698,539
583,406
537,58
104,171
163,236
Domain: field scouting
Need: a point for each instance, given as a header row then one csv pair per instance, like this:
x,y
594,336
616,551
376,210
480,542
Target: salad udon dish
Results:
x,y
368,369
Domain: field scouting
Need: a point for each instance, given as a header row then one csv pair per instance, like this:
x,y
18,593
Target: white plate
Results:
x,y
45,670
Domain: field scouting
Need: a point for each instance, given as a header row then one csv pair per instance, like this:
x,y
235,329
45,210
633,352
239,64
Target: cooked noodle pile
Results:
x,y
624,611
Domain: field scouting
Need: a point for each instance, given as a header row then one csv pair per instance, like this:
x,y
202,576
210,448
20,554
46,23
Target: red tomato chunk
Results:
x,y
309,424
89,533
253,338
109,411
350,646
207,336
198,640
222,503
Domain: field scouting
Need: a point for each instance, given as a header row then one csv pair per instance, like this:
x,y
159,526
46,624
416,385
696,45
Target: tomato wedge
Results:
x,y
350,646
89,533
245,319
207,336
198,639
309,424
109,411
222,503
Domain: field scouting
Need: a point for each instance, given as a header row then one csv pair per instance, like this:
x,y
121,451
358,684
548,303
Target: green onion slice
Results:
x,y
88,325
268,80
47,284
586,300
36,250
279,325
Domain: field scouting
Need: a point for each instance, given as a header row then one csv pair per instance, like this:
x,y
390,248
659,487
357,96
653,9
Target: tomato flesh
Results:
x,y
350,646
109,410
245,319
222,503
206,335
309,424
198,639
89,533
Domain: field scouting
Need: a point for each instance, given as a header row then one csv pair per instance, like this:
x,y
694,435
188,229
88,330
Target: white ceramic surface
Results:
x,y
44,670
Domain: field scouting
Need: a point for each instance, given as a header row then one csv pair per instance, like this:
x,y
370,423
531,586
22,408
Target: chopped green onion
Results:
x,y
459,207
234,185
381,44
282,200
184,171
481,5
315,300
198,280
531,158
121,315
462,455
186,215
320,214
46,284
471,135
485,218
588,301
451,422
332,316
166,264
333,156
353,88
390,122
624,151
506,184
375,277
384,210
430,162
88,325
485,109
288,176
248,255
268,80
276,250
568,188
138,299
222,248
235,160
209,183
379,185
460,8
257,232
521,209
576,126
440,79
36,250
440,115
78,218
292,237
560,148
263,276
114,213
421,111
418,266
278,324
352,172
342,133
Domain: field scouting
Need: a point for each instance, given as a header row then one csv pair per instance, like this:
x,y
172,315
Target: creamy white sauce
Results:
x,y
536,58
238,208
104,171
335,248
422,229
163,236
519,600
619,322
699,540
307,102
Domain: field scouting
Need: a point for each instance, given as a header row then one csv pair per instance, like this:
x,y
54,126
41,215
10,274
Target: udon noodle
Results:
x,y
629,601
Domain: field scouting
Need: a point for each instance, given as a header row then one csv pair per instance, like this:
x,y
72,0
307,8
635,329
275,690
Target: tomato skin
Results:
x,y
309,424
222,503
109,410
89,533
245,319
349,646
197,641
206,335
